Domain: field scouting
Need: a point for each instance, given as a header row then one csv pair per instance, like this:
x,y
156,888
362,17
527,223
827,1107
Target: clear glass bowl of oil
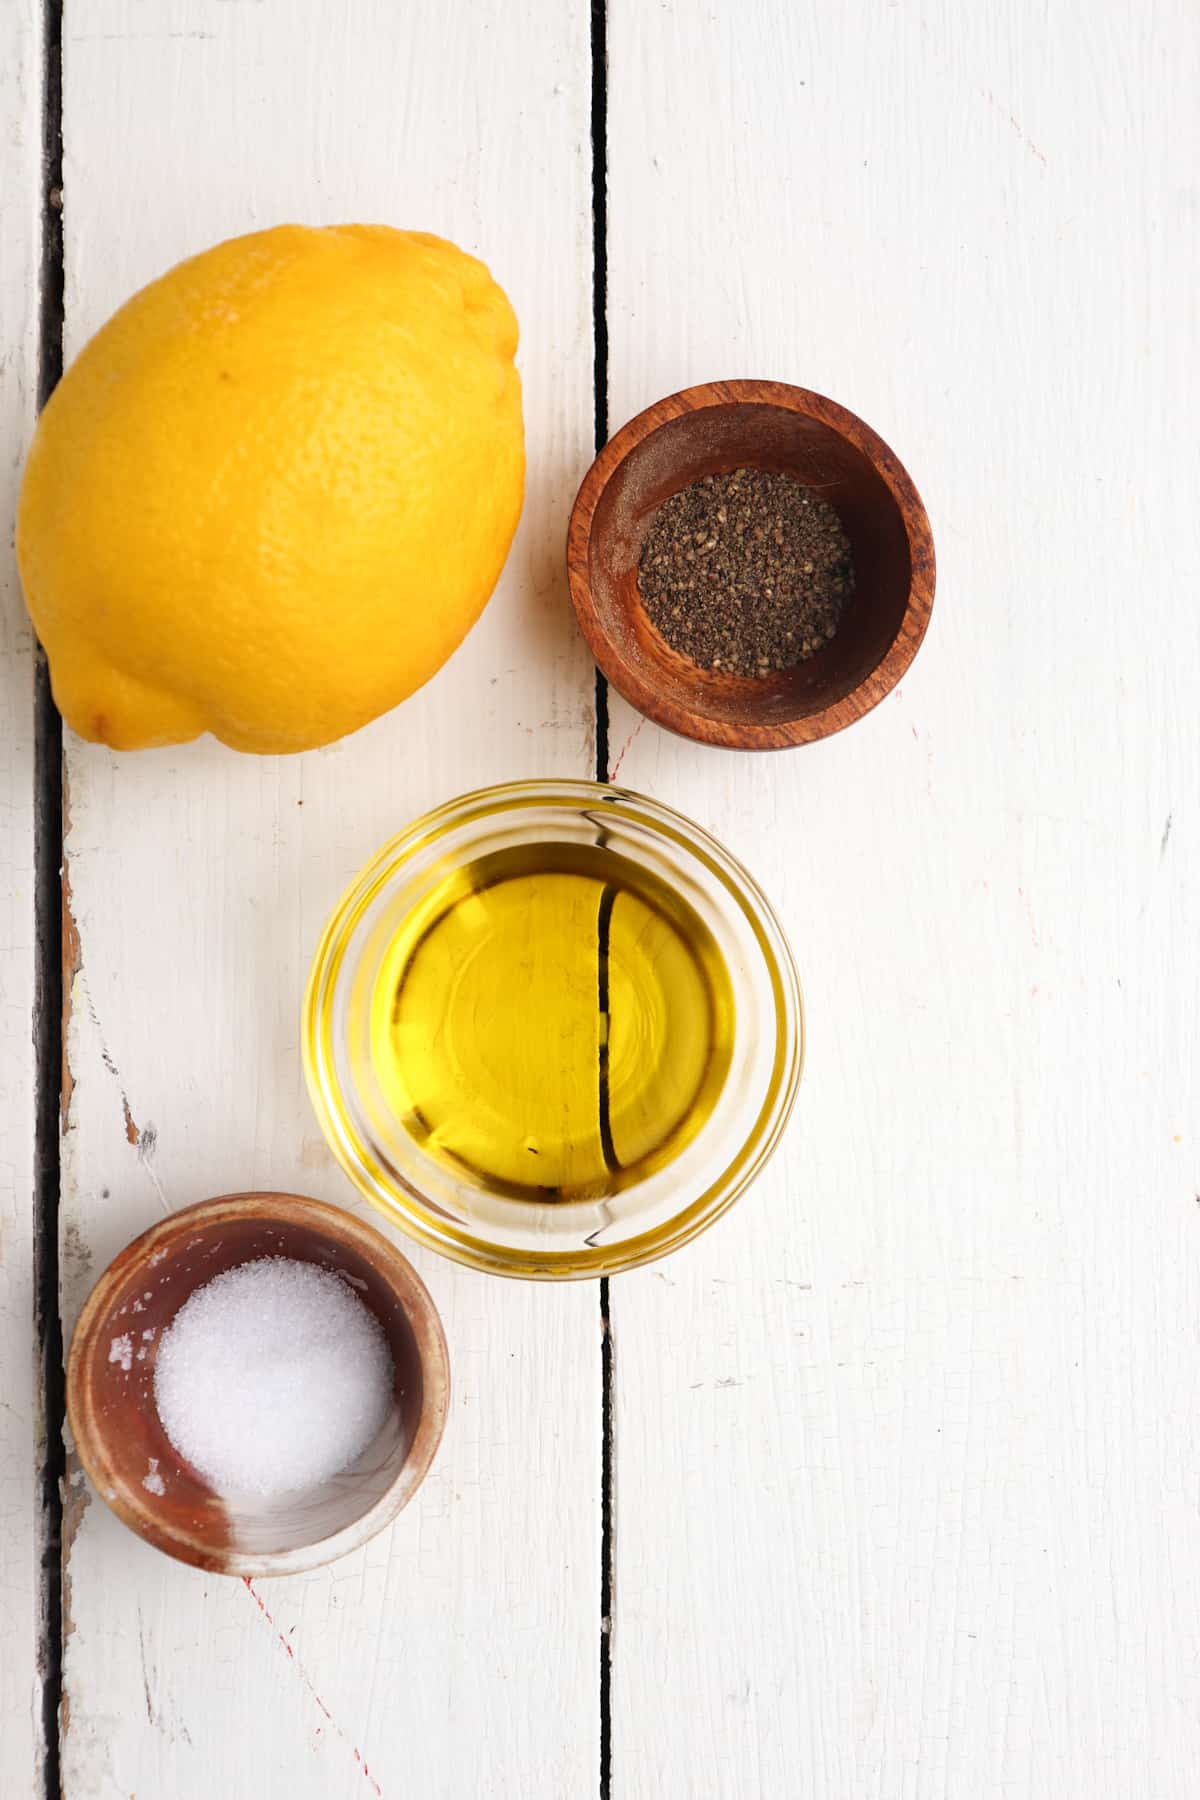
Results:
x,y
553,1029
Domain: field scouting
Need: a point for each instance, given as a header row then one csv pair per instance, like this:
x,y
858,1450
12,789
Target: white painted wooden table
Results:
x,y
905,1494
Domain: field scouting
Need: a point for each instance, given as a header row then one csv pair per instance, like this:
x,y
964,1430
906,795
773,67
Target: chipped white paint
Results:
x,y
908,1470
458,1653
21,1434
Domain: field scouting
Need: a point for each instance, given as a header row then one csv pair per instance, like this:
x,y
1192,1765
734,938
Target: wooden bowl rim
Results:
x,y
422,1315
746,734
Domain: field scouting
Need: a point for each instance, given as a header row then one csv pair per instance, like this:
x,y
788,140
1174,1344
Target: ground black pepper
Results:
x,y
746,573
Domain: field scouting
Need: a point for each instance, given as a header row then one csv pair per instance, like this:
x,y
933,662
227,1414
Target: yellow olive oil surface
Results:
x,y
552,1021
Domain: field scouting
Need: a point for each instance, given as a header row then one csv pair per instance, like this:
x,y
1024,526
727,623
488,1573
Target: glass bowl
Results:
x,y
725,1084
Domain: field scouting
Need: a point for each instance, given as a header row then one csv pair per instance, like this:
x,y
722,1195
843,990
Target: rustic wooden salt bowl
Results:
x,y
769,425
115,1423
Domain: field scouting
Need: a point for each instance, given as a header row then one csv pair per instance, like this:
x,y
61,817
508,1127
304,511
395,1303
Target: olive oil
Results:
x,y
552,1021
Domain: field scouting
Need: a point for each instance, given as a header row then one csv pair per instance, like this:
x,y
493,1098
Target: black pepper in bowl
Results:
x,y
746,573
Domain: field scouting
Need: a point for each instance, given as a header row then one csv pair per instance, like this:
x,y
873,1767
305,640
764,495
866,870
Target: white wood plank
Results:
x,y
457,1654
906,1451
22,1433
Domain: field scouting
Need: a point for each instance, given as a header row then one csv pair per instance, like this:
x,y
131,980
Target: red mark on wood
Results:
x,y
305,1678
625,747
997,105
1006,113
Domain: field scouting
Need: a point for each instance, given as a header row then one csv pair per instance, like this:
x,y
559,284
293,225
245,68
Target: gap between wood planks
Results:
x,y
48,1019
599,125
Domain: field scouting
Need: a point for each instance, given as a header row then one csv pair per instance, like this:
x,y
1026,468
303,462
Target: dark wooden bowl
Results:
x,y
120,1438
758,424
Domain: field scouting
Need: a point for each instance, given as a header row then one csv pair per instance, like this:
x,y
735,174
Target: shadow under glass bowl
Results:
x,y
600,1227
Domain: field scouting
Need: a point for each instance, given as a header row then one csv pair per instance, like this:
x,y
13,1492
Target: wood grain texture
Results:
x,y
907,1465
456,1654
22,1434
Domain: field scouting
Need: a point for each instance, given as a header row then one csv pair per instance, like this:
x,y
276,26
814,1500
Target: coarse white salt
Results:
x,y
120,1350
272,1377
152,1480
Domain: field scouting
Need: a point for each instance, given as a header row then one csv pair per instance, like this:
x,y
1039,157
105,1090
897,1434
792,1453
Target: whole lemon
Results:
x,y
275,491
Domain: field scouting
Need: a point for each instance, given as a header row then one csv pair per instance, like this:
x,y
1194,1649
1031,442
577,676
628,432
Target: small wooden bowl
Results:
x,y
115,1423
757,424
